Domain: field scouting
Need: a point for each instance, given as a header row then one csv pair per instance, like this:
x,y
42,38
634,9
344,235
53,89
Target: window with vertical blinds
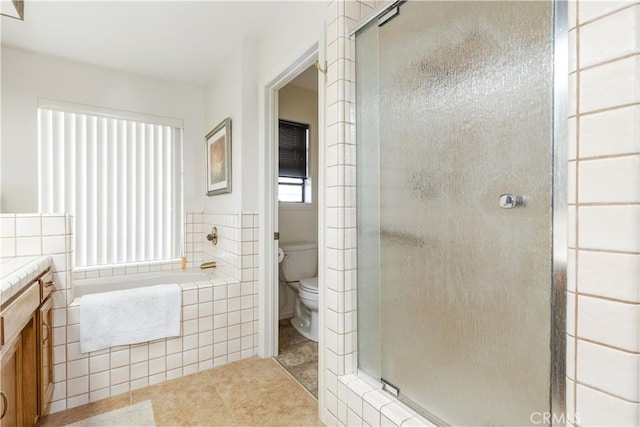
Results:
x,y
121,179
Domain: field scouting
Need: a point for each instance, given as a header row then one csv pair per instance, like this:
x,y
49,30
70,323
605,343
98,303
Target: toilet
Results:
x,y
299,269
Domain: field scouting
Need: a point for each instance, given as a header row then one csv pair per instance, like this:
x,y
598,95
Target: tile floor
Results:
x,y
250,392
299,356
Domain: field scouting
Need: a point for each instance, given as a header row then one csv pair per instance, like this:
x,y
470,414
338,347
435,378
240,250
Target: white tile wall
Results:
x,y
611,37
612,132
603,315
610,84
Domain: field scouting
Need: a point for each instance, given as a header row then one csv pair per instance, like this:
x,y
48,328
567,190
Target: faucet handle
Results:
x,y
213,236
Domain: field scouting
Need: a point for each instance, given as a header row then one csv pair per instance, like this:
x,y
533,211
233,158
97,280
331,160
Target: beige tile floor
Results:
x,y
250,392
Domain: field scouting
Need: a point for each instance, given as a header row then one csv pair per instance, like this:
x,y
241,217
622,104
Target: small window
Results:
x,y
293,177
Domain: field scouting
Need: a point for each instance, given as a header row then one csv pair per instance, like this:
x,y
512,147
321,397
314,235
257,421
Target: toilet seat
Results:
x,y
309,285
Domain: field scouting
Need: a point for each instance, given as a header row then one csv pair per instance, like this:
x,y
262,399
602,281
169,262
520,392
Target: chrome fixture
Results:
x,y
205,265
510,201
213,236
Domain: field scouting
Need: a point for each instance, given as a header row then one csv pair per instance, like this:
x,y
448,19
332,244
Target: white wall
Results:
x,y
27,76
232,92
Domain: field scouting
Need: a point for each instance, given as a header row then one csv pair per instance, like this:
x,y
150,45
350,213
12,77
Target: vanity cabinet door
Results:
x,y
45,316
29,373
10,373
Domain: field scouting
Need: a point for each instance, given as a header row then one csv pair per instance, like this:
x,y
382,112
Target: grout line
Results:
x,y
607,109
609,61
598,18
606,392
604,298
605,204
611,347
606,251
607,156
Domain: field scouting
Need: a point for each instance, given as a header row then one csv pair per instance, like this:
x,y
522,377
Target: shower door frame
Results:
x,y
559,228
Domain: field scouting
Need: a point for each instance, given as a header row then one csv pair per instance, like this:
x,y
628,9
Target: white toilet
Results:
x,y
299,268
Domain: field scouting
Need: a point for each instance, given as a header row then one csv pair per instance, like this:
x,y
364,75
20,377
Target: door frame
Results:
x,y
268,258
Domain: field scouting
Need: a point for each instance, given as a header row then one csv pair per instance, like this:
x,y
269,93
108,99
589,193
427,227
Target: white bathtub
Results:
x,y
115,283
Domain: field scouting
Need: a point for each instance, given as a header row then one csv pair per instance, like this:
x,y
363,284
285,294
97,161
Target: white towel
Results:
x,y
131,316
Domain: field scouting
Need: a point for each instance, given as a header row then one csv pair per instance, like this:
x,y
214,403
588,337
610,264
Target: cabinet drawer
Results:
x,y
14,317
46,285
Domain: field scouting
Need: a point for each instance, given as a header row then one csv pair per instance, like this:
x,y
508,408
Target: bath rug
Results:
x,y
138,415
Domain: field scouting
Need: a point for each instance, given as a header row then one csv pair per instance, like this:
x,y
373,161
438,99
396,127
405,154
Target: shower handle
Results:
x,y
510,201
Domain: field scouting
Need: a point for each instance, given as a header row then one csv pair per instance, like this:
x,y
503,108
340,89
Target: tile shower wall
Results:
x,y
603,351
603,313
348,399
219,319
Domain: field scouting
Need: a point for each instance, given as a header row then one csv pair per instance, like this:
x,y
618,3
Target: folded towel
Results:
x,y
130,316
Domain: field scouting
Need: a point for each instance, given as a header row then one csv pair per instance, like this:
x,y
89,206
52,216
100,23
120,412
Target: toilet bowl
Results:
x,y
298,270
308,295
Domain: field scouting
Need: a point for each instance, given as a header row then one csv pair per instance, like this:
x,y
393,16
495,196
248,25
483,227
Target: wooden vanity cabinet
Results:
x,y
26,354
10,390
45,354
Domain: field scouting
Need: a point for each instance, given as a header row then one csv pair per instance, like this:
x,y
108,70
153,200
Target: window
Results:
x,y
119,175
293,176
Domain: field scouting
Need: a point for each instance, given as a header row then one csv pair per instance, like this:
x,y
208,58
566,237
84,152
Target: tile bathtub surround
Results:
x,y
215,329
236,253
237,249
220,321
603,283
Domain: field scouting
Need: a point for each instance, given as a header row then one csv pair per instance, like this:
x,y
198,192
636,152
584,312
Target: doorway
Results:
x,y
297,207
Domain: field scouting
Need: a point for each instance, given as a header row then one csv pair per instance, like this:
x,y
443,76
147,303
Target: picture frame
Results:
x,y
218,158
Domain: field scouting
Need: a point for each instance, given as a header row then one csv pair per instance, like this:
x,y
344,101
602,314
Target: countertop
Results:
x,y
17,272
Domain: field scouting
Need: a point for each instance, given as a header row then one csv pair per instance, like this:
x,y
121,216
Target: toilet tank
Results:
x,y
300,261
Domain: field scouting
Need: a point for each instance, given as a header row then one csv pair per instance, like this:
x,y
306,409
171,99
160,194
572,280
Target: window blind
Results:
x,y
120,179
292,149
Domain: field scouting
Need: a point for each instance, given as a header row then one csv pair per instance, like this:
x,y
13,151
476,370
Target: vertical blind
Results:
x,y
292,146
121,179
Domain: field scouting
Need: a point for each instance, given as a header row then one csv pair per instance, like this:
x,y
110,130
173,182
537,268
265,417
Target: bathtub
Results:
x,y
129,281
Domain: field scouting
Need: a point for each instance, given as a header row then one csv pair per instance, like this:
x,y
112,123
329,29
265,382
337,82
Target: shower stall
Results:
x,y
460,124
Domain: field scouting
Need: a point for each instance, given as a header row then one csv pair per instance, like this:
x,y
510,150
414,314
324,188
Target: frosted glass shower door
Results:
x,y
454,110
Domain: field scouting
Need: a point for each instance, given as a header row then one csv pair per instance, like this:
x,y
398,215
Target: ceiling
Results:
x,y
176,40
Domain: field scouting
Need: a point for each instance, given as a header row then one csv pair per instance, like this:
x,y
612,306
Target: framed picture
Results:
x,y
218,155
